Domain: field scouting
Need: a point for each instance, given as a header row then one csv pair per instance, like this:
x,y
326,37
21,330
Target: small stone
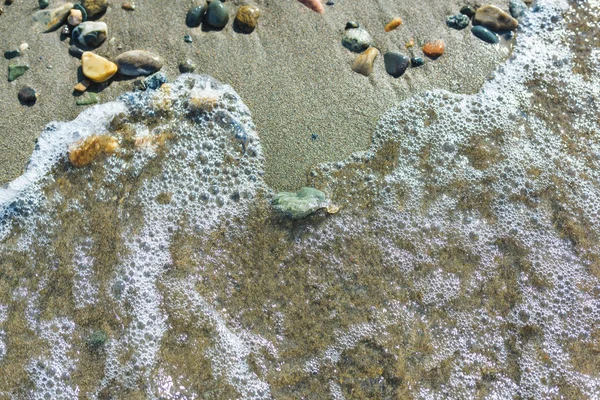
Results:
x,y
351,25
16,70
43,4
393,24
410,43
246,18
10,54
79,7
217,14
97,69
299,205
94,8
128,6
155,81
494,19
330,3
364,62
75,51
395,63
458,21
517,9
84,151
195,16
468,11
357,40
434,49
65,31
75,18
27,96
417,62
87,99
485,34
8,2
51,20
188,39
23,46
1,10
82,86
186,66
138,62
91,34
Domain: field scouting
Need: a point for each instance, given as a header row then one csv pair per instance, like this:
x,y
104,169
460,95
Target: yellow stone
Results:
x,y
96,68
83,152
364,62
82,86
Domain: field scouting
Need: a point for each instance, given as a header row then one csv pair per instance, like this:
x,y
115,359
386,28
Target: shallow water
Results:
x,y
464,262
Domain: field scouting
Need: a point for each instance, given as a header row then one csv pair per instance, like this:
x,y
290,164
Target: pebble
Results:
x,y
485,34
53,19
1,10
434,49
138,62
97,69
87,99
79,7
195,15
393,24
299,205
468,11
23,46
186,66
458,21
27,96
410,43
364,62
417,62
155,81
8,2
65,31
351,25
16,70
396,64
246,18
82,86
91,34
357,40
75,51
330,3
517,9
188,39
217,14
494,18
10,54
94,8
128,6
43,3
75,18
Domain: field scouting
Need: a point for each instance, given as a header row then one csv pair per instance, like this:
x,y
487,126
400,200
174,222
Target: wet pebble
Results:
x,y
16,70
357,40
75,18
517,9
27,96
91,34
458,21
468,11
364,62
65,31
43,4
186,66
97,69
75,51
94,8
417,62
138,62
494,19
10,54
195,16
155,81
351,25
87,99
395,63
187,39
217,14
485,34
246,18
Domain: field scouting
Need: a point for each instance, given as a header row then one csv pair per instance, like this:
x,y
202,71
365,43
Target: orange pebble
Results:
x,y
434,49
393,24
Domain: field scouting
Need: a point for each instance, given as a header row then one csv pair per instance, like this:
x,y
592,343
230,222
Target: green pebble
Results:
x,y
417,62
43,3
485,34
299,205
217,14
16,70
195,15
87,99
188,39
468,11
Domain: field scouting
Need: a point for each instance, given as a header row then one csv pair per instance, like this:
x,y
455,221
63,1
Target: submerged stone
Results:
x,y
494,19
83,152
301,204
485,34
517,9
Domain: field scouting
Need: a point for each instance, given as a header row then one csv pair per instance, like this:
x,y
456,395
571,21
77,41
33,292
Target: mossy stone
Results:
x,y
299,205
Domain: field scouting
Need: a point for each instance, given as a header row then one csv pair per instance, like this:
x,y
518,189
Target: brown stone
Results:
x,y
82,86
393,24
434,49
128,6
94,8
84,151
364,62
246,18
495,19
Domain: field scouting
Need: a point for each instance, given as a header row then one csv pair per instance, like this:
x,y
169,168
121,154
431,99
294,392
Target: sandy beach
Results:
x,y
292,71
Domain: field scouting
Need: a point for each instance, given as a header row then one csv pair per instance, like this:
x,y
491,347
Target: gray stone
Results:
x,y
299,205
138,62
494,19
517,9
357,40
217,14
458,21
395,63
27,96
195,15
485,34
186,66
91,34
50,20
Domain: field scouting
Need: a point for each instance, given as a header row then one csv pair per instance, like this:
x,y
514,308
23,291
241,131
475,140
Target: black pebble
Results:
x,y
75,51
27,96
395,63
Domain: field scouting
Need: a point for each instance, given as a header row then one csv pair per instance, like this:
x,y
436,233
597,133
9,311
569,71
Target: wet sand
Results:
x,y
292,72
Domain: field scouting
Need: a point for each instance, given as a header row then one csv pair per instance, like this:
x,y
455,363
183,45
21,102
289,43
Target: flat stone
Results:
x,y
82,86
75,17
396,64
87,99
299,205
485,34
97,69
91,34
27,96
458,21
10,54
517,9
494,19
195,16
138,62
94,8
364,62
217,14
16,70
186,66
434,49
50,20
246,18
357,40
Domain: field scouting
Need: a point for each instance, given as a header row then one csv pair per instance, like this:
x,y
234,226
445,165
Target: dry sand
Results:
x,y
292,72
